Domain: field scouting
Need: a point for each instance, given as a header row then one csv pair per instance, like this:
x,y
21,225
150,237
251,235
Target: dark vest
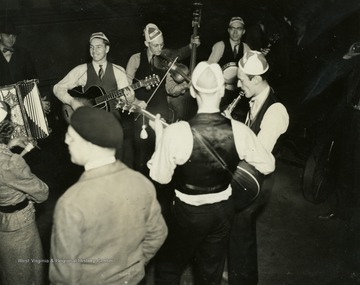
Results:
x,y
158,103
108,82
202,174
228,55
255,125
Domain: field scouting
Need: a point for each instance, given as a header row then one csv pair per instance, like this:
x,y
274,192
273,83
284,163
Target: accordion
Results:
x,y
27,112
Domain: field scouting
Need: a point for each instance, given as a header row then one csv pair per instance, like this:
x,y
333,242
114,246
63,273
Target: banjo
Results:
x,y
230,69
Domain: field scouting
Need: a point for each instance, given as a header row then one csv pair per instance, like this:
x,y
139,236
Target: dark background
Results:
x,y
310,78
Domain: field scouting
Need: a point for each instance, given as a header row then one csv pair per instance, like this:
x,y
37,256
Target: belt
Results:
x,y
13,208
198,190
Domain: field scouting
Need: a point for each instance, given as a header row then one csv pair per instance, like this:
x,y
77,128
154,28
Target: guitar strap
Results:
x,y
213,153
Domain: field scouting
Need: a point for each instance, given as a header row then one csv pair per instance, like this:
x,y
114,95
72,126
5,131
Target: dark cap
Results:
x,y
8,27
97,126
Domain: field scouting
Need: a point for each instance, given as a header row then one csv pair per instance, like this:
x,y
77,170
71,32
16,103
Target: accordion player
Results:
x,y
26,109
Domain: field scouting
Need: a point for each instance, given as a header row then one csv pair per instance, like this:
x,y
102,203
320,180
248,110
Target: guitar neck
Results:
x,y
151,116
117,93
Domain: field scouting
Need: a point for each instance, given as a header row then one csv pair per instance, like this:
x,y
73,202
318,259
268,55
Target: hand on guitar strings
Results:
x,y
76,103
265,51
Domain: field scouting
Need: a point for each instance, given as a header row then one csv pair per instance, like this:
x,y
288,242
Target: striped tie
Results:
x,y
251,115
101,72
235,51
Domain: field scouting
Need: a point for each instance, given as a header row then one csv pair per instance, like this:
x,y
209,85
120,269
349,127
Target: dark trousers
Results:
x,y
242,254
197,234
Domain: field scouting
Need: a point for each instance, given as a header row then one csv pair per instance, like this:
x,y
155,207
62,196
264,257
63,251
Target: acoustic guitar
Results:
x,y
96,97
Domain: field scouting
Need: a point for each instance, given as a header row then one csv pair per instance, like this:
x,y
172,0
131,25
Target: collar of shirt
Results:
x,y
97,66
149,55
99,162
259,100
208,110
232,43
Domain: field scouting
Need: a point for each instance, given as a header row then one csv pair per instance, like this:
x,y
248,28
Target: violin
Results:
x,y
179,72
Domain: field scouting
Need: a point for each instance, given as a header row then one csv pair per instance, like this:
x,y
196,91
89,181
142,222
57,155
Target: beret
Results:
x,y
97,126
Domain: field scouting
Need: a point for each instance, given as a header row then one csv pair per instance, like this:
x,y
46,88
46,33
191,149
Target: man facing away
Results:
x,y
202,210
108,225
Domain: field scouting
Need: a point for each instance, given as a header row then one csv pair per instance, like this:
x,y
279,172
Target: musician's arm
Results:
x,y
173,88
172,149
131,68
122,82
217,52
250,149
274,123
76,77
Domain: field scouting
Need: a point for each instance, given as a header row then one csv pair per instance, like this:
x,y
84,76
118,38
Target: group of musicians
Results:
x,y
183,150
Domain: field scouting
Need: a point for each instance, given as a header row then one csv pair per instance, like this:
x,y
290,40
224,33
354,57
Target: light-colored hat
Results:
x,y
99,35
3,111
253,63
236,20
207,77
151,32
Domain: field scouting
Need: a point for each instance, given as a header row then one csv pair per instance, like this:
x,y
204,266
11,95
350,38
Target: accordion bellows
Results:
x,y
26,109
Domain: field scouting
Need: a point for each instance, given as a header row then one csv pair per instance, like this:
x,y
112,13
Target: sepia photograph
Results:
x,y
194,142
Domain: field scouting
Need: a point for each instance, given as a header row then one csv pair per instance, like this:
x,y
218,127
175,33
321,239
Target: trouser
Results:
x,y
197,234
242,254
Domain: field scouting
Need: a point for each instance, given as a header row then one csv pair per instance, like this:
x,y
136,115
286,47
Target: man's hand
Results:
x,y
74,103
140,103
195,40
46,105
20,142
129,95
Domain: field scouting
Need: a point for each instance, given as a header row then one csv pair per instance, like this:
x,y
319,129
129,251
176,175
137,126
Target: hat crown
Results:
x,y
99,35
236,20
151,32
207,77
8,27
253,63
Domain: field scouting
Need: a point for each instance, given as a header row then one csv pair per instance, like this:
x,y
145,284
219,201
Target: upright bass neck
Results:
x,y
196,26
